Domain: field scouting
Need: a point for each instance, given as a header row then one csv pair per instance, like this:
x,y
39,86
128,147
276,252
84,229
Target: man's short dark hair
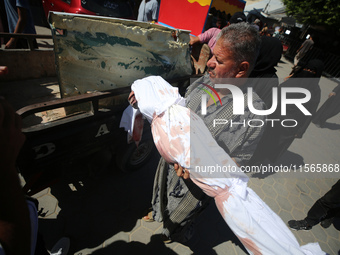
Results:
x,y
243,40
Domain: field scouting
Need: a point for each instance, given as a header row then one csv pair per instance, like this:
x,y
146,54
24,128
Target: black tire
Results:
x,y
133,158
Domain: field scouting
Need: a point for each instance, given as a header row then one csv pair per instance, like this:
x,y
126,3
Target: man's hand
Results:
x,y
332,94
132,100
11,44
194,40
181,172
3,70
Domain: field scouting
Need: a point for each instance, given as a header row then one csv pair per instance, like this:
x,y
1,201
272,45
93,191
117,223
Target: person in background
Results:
x,y
20,20
210,35
304,48
256,24
264,31
203,44
148,11
324,210
276,33
277,138
329,109
264,73
3,21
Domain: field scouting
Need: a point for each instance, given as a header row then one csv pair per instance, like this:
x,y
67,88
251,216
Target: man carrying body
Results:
x,y
177,200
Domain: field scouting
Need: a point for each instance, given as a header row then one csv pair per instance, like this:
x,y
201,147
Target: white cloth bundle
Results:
x,y
181,137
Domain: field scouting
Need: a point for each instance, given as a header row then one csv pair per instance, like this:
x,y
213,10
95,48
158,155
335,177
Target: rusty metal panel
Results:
x,y
99,53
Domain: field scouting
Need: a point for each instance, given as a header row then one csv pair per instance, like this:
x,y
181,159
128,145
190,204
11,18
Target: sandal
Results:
x,y
148,217
165,239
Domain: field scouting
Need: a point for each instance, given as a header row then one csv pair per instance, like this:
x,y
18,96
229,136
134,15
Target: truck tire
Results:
x,y
133,158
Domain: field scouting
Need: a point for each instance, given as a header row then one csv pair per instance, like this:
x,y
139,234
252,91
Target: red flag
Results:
x,y
184,14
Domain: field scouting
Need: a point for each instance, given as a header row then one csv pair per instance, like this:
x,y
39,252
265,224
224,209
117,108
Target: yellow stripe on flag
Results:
x,y
201,2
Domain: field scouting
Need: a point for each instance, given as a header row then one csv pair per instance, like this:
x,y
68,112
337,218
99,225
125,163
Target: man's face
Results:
x,y
222,64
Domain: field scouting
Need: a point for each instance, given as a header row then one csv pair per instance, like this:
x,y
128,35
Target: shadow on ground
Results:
x,y
96,205
103,205
154,247
289,160
331,126
210,230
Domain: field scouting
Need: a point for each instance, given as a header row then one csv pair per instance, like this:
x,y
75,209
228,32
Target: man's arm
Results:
x,y
14,214
299,48
22,21
208,35
194,40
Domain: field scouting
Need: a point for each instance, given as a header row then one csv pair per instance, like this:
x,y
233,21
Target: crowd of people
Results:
x,y
237,51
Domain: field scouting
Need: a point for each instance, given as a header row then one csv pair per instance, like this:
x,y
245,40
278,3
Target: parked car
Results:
x,y
111,8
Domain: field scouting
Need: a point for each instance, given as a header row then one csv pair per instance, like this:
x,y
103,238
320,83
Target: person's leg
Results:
x,y
319,210
321,207
329,218
324,112
296,60
175,201
158,201
185,201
